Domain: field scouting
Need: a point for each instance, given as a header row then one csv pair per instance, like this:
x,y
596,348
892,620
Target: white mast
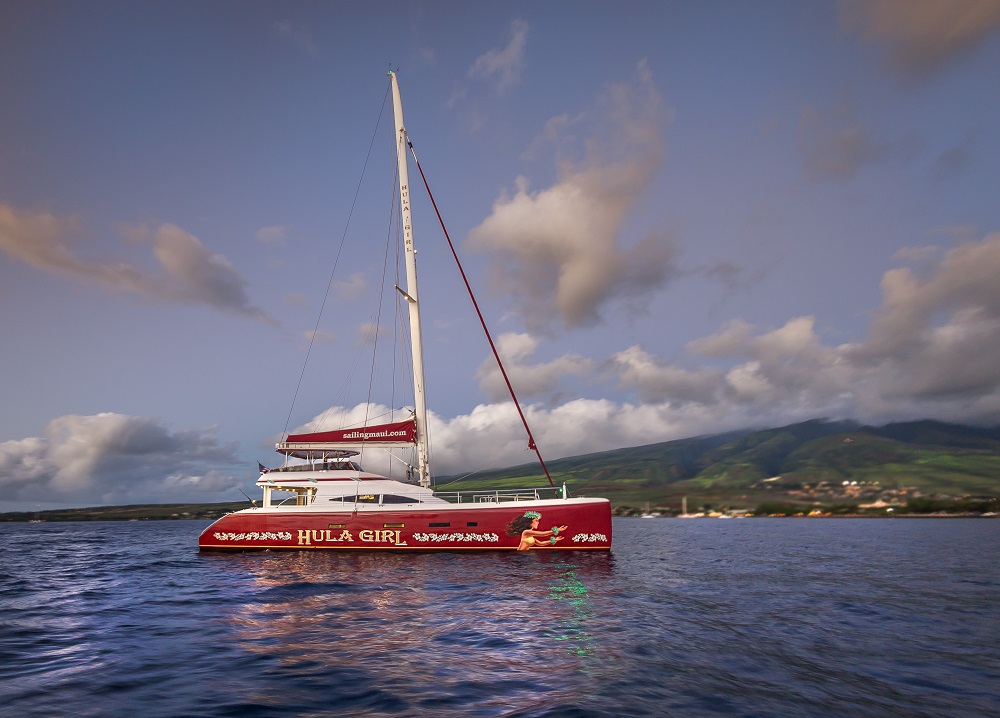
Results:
x,y
420,403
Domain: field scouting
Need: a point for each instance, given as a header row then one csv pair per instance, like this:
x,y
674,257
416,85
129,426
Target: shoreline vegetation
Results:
x,y
819,469
965,507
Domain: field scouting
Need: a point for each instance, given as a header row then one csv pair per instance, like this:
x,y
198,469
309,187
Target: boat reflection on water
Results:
x,y
430,627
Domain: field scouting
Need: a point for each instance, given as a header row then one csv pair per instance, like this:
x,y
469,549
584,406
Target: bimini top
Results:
x,y
331,443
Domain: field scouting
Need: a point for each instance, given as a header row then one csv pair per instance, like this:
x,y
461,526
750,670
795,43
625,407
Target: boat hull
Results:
x,y
454,527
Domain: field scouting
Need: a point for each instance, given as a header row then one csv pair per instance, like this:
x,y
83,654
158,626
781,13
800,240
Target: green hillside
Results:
x,y
810,463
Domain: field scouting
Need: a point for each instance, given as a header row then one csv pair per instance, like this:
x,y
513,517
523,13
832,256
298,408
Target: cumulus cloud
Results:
x,y
922,35
657,381
504,64
191,273
492,435
786,370
197,275
116,459
45,242
560,248
933,349
939,336
529,379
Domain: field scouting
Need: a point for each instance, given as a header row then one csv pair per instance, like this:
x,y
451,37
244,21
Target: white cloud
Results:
x,y
964,285
933,350
786,370
529,380
560,249
116,459
198,275
505,64
192,273
655,381
45,242
922,35
937,338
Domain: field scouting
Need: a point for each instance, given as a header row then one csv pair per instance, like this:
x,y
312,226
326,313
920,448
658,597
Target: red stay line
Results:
x,y
468,287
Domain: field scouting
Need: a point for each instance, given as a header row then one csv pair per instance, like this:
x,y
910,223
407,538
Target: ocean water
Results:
x,y
750,617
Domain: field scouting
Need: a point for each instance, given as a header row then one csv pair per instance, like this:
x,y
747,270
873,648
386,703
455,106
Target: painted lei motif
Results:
x,y
590,538
254,536
481,538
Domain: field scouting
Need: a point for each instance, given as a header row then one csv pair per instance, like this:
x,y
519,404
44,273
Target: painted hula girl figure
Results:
x,y
531,537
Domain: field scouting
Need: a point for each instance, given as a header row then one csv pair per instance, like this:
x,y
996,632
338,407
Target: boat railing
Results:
x,y
501,495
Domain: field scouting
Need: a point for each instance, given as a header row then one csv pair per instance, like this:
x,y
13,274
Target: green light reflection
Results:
x,y
571,590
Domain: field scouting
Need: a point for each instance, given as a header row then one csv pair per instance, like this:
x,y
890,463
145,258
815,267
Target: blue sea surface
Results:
x,y
749,617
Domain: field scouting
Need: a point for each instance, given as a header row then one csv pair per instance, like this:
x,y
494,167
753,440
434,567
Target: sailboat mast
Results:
x,y
416,343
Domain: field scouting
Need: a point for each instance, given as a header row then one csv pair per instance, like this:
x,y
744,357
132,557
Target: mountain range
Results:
x,y
923,457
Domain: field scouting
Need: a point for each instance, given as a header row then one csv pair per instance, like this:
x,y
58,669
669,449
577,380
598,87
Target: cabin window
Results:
x,y
443,525
339,466
374,499
472,523
396,499
360,499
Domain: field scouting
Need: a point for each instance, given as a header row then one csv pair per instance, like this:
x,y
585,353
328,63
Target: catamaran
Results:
x,y
322,499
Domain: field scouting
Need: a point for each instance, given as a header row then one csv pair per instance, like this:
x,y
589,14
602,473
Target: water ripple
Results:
x,y
685,618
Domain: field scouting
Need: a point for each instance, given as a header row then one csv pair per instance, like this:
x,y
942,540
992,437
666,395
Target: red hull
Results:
x,y
463,528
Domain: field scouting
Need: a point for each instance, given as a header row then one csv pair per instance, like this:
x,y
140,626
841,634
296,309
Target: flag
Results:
x,y
263,469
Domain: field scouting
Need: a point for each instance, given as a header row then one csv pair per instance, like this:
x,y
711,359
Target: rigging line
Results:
x,y
489,337
375,330
402,340
378,306
336,262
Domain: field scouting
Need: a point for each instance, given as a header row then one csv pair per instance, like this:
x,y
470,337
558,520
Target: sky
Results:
x,y
679,217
